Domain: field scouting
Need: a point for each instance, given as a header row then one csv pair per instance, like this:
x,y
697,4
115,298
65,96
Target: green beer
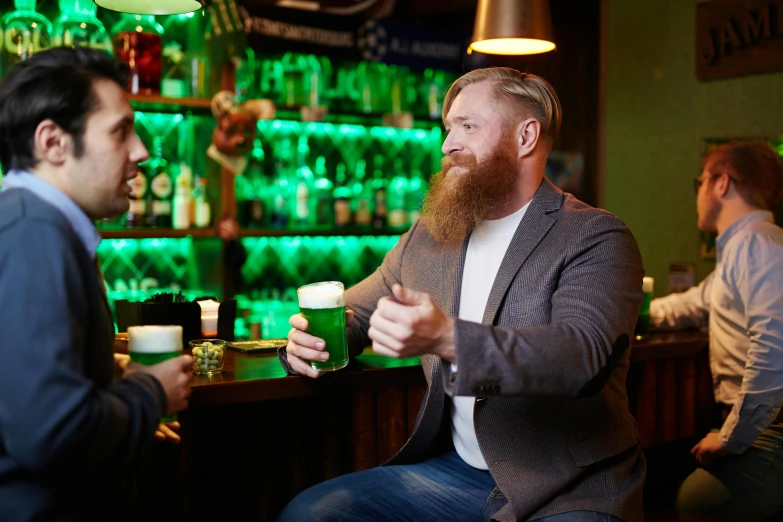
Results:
x,y
150,345
323,305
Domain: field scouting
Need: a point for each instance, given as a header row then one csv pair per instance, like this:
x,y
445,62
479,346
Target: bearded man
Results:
x,y
520,301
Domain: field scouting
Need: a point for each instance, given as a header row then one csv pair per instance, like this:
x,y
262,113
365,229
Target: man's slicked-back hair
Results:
x,y
520,95
57,85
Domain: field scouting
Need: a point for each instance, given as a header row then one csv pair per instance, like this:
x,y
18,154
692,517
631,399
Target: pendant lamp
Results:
x,y
512,27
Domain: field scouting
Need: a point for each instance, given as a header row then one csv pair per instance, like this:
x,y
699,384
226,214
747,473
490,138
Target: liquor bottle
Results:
x,y
396,197
380,193
137,212
24,32
417,189
293,91
282,188
362,196
324,199
161,188
258,213
79,27
304,215
138,41
242,192
342,198
201,209
181,204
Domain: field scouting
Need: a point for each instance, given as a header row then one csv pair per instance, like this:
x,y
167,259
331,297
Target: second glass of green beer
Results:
x,y
150,345
323,305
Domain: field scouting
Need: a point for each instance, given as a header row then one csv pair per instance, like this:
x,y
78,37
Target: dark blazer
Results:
x,y
70,435
548,362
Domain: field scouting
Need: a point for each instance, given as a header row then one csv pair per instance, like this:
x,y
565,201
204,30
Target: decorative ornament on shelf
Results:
x,y
236,128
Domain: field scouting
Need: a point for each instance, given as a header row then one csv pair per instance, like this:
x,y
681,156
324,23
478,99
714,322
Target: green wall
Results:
x,y
657,117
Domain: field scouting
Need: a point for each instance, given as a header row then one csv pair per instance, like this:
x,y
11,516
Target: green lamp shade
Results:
x,y
152,7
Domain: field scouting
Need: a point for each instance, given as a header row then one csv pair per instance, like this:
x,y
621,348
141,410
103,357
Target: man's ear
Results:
x,y
51,143
526,136
722,185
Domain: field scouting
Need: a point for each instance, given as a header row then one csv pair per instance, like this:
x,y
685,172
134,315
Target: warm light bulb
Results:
x,y
511,46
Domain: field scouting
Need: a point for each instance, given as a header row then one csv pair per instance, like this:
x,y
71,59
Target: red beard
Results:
x,y
457,203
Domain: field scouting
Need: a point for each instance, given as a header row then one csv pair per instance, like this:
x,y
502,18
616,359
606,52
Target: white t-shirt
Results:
x,y
486,249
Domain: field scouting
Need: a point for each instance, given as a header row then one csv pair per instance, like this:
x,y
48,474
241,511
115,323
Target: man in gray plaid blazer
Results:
x,y
520,301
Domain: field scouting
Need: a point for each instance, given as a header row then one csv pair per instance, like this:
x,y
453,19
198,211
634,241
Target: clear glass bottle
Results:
x,y
175,67
324,203
342,198
137,213
79,27
138,41
417,190
283,192
24,33
396,198
293,92
304,211
362,196
380,194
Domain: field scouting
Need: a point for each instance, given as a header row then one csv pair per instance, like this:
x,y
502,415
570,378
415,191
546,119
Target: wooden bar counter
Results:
x,y
253,438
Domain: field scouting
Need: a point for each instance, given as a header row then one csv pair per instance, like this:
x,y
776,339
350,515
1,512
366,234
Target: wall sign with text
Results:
x,y
738,38
276,29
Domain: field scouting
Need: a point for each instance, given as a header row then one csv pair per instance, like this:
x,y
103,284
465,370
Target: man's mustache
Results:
x,y
447,162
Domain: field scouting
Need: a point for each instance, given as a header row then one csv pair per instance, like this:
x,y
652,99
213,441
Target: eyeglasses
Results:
x,y
698,181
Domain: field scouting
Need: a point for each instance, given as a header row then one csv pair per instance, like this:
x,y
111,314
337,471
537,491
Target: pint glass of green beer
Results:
x,y
150,345
323,306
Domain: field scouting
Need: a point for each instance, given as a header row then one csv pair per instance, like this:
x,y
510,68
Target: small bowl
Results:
x,y
209,355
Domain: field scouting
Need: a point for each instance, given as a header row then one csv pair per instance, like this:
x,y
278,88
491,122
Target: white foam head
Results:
x,y
328,294
154,339
647,285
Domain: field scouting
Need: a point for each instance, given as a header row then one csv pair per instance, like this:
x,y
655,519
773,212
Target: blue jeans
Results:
x,y
443,488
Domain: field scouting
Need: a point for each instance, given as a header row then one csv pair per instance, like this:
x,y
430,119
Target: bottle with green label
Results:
x,y
396,197
160,190
362,196
380,194
79,27
304,215
417,189
283,192
258,206
342,198
24,33
137,212
324,198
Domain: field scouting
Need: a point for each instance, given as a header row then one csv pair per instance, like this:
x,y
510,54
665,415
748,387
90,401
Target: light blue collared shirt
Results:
x,y
80,222
743,302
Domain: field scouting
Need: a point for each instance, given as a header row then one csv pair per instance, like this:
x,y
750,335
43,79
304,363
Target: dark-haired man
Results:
x,y
70,434
742,301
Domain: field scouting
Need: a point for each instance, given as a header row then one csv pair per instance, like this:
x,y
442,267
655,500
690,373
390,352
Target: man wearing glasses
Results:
x,y
741,471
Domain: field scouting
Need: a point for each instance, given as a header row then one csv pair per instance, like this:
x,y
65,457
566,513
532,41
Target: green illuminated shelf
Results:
x,y
285,113
163,104
152,233
259,232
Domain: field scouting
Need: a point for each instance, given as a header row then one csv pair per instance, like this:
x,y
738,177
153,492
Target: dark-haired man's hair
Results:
x,y
57,85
